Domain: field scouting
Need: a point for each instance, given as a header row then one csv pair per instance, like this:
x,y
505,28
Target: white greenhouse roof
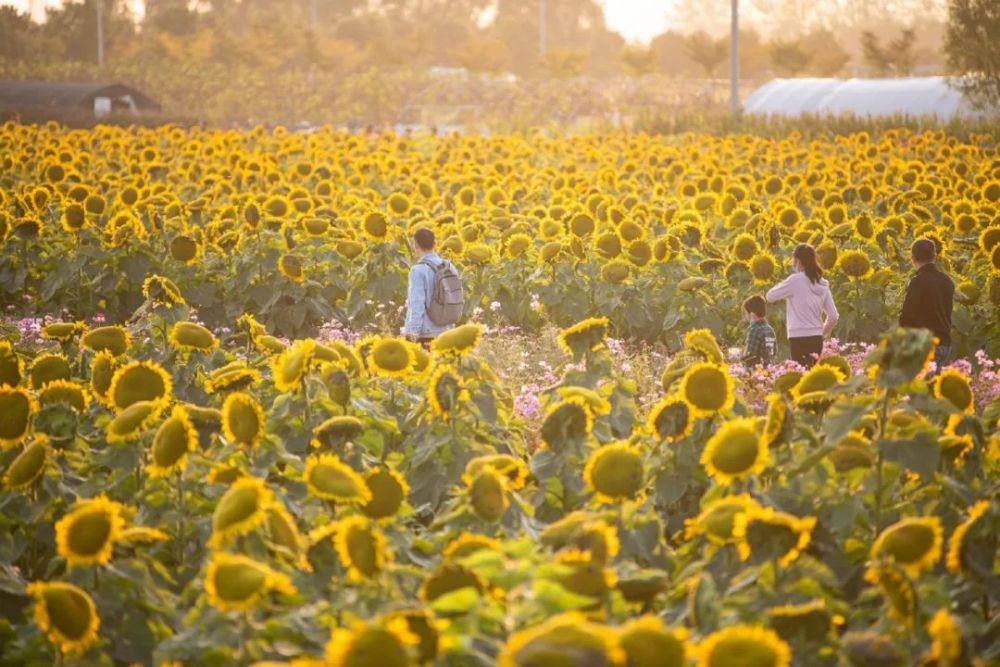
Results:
x,y
923,96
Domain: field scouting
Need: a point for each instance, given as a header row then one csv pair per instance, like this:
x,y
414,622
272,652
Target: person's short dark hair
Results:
x,y
756,305
923,250
424,238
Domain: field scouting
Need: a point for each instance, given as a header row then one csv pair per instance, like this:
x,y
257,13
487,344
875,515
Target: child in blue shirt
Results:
x,y
760,343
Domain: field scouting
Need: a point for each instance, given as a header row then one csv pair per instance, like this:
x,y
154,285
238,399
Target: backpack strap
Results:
x,y
426,262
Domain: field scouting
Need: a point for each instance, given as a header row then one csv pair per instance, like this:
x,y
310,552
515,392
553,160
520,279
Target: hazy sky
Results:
x,y
636,20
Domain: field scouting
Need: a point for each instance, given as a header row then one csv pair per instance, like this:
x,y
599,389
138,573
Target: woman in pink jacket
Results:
x,y
809,300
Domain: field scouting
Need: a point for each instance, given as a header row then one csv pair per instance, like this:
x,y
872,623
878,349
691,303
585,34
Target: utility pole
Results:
x,y
734,60
541,29
100,33
313,17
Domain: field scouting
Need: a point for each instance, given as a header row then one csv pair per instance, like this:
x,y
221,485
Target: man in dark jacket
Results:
x,y
929,299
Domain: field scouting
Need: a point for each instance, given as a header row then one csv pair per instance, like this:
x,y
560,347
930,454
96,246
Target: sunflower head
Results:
x,y
192,337
566,634
819,378
241,509
139,381
17,407
175,437
487,493
389,491
48,368
703,342
767,534
959,555
289,368
955,387
913,543
566,423
62,331
458,341
28,466
391,357
446,391
647,642
583,337
327,477
670,419
87,535
615,472
809,622
66,614
239,583
134,420
388,643
161,291
242,419
360,547
337,431
707,388
735,451
897,589
864,649
716,520
744,645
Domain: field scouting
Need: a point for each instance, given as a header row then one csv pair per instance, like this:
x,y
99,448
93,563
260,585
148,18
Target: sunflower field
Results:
x,y
196,468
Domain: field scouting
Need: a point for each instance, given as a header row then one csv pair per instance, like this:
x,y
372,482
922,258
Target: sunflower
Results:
x,y
868,648
446,391
513,469
66,392
647,642
740,645
389,491
242,419
597,404
914,543
327,477
192,337
947,643
337,431
232,376
66,614
48,367
854,451
398,203
238,583
769,534
467,544
390,357
517,245
185,249
62,331
458,341
897,588
87,535
375,226
289,368
615,271
568,634
175,437
28,466
17,407
290,266
566,421
776,420
707,388
808,622
855,264
11,365
487,494
134,420
735,451
139,381
241,509
954,386
716,520
703,342
360,547
161,291
615,472
388,643
583,337
955,557
819,378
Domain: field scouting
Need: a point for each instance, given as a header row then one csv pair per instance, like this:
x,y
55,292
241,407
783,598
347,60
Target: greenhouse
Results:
x,y
925,96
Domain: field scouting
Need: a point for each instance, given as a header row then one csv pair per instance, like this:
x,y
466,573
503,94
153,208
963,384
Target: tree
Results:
x,y
15,33
707,52
897,58
790,57
74,27
828,56
639,60
972,47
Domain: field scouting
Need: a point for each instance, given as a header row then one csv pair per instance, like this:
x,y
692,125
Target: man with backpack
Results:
x,y
434,296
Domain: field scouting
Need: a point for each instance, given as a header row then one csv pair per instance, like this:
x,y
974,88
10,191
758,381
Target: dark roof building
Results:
x,y
58,98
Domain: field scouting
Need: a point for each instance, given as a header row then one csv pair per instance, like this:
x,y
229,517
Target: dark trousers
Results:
x,y
806,350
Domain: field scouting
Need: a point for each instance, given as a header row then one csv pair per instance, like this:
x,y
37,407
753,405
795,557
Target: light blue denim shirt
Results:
x,y
418,294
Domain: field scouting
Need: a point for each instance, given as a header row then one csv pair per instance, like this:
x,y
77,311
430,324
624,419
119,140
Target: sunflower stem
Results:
x,y
180,518
883,413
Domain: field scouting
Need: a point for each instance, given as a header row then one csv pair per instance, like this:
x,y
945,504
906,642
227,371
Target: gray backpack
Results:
x,y
447,299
